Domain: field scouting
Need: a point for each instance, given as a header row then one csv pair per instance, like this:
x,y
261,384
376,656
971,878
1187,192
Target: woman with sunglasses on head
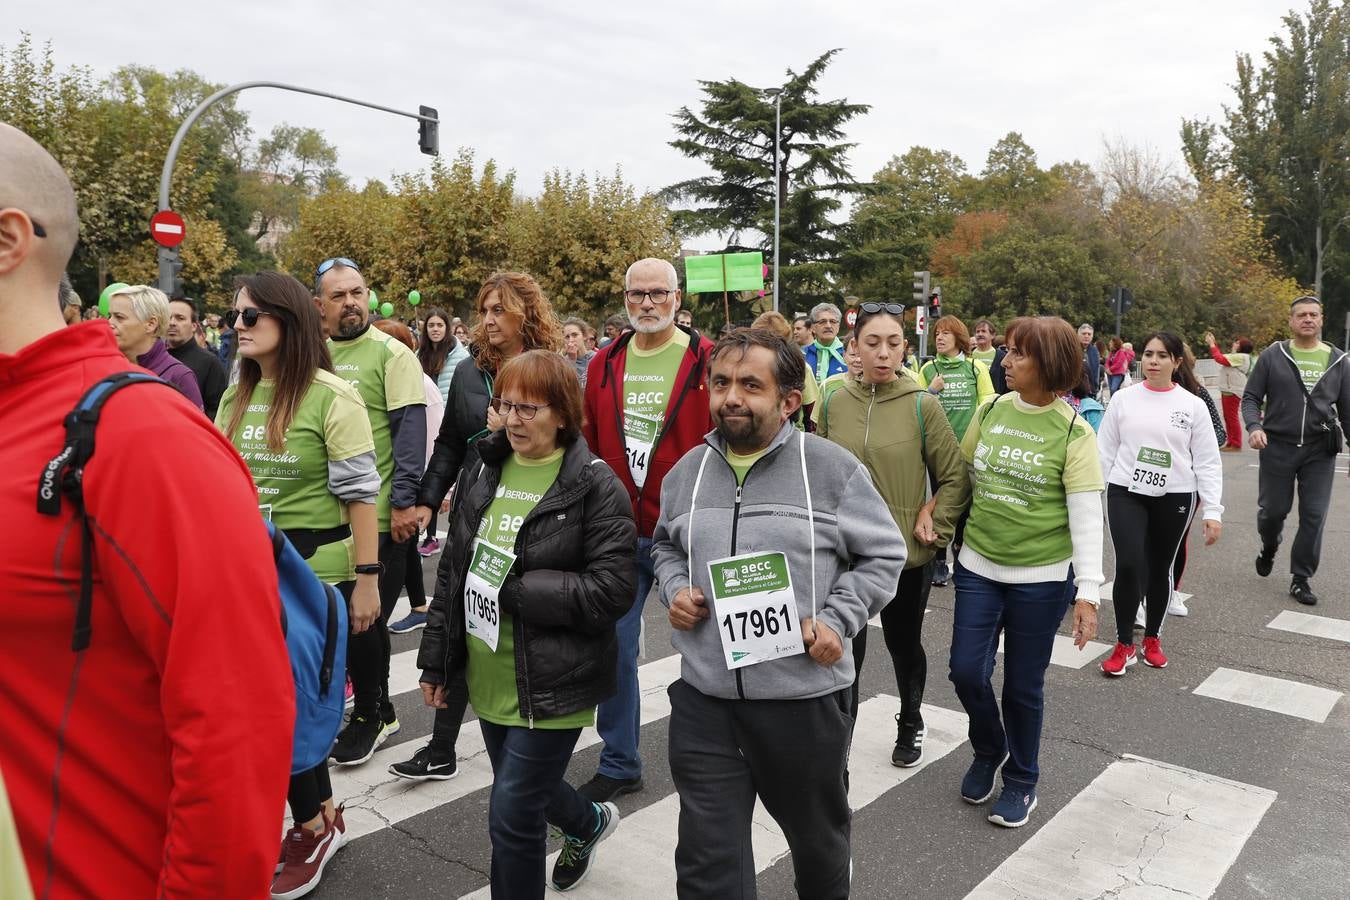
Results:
x,y
1159,453
540,565
305,435
1036,509
513,317
962,384
903,437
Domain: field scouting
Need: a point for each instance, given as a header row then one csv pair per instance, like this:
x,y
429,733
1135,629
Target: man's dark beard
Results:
x,y
347,331
743,435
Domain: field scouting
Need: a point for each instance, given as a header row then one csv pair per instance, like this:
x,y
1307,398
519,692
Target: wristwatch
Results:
x,y
376,568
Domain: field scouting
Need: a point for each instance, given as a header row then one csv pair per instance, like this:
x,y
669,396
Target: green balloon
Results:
x,y
374,301
414,297
386,309
107,294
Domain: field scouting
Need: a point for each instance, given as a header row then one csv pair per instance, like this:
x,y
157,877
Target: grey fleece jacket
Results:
x,y
859,554
1289,415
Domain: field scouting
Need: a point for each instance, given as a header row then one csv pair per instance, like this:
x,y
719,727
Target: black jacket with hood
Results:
x,y
574,578
1291,414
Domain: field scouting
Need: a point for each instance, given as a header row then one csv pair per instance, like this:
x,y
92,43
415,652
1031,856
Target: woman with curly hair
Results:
x,y
514,317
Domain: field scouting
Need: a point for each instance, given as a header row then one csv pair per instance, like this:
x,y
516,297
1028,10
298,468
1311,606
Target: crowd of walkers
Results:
x,y
573,475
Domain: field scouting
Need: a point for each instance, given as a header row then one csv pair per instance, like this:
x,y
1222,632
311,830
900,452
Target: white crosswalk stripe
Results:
x,y
1317,626
1290,698
1140,829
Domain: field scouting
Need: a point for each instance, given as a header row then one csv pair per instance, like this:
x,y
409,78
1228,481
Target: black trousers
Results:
x,y
368,652
1286,467
902,627
792,755
1147,533
413,579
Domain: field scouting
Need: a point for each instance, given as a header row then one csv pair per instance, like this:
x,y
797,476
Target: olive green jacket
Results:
x,y
879,424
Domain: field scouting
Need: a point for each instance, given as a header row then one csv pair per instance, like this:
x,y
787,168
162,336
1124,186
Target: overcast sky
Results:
x,y
592,85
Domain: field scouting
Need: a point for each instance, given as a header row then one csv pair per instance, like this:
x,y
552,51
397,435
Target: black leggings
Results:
x,y
445,727
1146,533
368,652
308,790
413,581
902,627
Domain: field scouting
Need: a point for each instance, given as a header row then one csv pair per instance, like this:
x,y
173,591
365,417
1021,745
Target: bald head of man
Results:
x,y
39,226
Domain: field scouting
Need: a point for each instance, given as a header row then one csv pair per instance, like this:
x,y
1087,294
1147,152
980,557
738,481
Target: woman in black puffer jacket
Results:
x,y
541,565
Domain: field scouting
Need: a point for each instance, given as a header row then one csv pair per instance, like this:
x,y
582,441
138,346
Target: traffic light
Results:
x,y
429,132
921,290
935,300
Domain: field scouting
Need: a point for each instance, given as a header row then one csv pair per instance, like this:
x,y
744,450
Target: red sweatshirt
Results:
x,y
687,420
170,778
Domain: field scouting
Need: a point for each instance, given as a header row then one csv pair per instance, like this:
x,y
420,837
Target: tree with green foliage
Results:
x,y
1288,146
733,134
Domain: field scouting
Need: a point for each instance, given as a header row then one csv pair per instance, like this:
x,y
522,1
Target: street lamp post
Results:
x,y
428,140
777,188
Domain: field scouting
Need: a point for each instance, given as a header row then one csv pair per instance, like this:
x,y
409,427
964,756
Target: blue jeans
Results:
x,y
1114,382
528,793
619,719
1028,615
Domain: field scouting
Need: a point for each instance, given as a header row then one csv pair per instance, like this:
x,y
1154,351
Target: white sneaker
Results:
x,y
1176,606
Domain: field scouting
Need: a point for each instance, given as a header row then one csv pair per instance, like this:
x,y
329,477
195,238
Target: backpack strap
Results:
x,y
923,433
64,474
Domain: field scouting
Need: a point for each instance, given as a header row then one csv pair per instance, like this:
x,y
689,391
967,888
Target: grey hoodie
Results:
x,y
859,554
1289,415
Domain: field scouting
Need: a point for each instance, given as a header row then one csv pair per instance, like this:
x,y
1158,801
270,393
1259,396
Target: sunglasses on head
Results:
x,y
249,316
871,308
335,261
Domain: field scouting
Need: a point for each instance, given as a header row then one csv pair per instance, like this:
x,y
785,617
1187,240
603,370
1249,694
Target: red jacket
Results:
x,y
687,419
171,774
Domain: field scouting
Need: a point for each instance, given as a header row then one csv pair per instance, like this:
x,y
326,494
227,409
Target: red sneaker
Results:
x,y
1120,659
306,855
1153,655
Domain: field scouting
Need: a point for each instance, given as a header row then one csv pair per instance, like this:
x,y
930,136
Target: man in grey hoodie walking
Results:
x,y
1304,385
770,560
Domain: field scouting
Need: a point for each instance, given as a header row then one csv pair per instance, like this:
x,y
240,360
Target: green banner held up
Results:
x,y
718,272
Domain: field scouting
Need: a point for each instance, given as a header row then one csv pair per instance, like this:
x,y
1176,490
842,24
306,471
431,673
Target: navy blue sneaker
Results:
x,y
1013,807
411,622
978,785
574,863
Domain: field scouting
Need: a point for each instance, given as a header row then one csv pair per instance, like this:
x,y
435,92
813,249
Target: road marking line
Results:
x,y
1065,654
1317,626
639,859
1141,827
1290,698
375,799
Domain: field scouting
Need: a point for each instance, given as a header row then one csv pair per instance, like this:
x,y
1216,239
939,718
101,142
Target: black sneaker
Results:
x,y
1301,591
577,853
427,764
941,574
603,788
357,742
1265,561
908,743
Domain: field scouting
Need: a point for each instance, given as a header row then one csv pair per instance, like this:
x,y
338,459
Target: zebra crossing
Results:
x,y
1155,826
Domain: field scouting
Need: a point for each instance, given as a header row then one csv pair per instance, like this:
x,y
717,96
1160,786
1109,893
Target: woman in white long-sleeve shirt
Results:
x,y
1159,454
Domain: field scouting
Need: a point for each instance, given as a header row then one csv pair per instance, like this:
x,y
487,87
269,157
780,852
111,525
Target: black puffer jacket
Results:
x,y
464,423
574,578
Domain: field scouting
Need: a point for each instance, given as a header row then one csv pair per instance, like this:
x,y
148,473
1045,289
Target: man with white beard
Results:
x,y
646,406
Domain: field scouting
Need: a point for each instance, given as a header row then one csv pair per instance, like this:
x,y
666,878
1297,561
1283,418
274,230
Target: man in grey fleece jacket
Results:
x,y
779,728
1304,385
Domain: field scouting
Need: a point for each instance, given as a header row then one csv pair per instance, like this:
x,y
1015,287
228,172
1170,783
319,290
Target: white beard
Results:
x,y
660,326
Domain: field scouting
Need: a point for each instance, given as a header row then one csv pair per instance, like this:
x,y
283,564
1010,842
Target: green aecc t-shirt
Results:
x,y
492,674
329,424
1312,364
1027,460
389,377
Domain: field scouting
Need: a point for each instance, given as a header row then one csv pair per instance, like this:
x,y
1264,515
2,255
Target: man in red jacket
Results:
x,y
153,763
646,406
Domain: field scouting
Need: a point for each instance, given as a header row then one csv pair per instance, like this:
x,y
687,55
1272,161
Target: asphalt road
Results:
x,y
1148,788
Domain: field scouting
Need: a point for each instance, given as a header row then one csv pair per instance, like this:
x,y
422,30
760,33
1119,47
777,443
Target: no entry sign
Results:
x,y
167,228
